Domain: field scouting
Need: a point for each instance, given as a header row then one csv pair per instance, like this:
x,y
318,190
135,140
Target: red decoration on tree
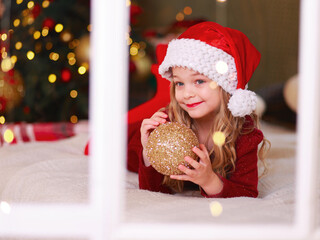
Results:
x,y
26,110
65,75
3,103
49,23
36,10
135,10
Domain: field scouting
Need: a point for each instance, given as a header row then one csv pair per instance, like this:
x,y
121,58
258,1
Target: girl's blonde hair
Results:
x,y
223,158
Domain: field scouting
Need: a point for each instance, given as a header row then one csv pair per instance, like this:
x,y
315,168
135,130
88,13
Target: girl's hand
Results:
x,y
146,128
202,174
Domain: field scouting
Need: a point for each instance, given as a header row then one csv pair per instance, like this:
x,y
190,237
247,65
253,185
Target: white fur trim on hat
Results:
x,y
242,103
210,61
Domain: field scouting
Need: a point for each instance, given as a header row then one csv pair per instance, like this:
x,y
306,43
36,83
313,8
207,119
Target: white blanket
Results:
x,y
58,172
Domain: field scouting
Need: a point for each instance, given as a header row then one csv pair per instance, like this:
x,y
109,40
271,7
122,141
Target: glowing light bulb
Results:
x,y
36,35
52,78
2,120
30,55
16,22
8,136
4,36
19,1
45,3
179,16
45,31
73,93
82,70
58,28
187,10
73,119
219,138
18,45
222,67
6,64
5,207
133,50
216,208
14,59
30,4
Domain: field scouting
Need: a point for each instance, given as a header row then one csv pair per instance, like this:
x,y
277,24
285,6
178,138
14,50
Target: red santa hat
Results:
x,y
224,55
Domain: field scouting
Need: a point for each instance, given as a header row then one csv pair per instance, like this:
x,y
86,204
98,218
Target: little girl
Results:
x,y
209,67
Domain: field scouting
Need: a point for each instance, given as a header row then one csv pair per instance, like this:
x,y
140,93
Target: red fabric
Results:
x,y
162,96
242,182
26,132
231,41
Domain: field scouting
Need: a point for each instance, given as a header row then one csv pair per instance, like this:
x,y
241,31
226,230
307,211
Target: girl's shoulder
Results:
x,y
250,137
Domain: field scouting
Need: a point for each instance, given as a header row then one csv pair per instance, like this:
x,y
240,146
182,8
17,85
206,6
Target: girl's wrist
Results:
x,y
213,186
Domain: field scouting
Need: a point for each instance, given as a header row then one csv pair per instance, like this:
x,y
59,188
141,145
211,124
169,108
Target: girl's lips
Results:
x,y
193,104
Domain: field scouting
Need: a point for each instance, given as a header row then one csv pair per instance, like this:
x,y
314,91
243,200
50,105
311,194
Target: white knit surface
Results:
x,y
242,103
202,58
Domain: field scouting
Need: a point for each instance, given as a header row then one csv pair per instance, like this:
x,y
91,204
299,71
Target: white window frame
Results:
x,y
102,217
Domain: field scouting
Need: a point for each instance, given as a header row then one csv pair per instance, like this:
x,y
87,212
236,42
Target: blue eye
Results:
x,y
199,81
178,84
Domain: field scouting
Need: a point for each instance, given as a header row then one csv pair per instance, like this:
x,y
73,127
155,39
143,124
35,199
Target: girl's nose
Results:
x,y
189,93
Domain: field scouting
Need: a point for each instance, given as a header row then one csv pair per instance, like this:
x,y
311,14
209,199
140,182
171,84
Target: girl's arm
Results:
x,y
243,181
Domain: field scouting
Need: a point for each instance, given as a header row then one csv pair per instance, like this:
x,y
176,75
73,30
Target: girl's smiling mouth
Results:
x,y
192,105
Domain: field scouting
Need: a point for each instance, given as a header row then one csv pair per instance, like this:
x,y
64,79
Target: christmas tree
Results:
x,y
44,60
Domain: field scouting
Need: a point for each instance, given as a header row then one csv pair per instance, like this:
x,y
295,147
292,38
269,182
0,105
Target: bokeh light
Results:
x,y
16,22
8,136
52,78
187,10
219,138
5,207
82,70
2,120
222,67
6,64
216,208
73,119
45,3
30,55
73,93
213,85
180,16
30,4
18,45
58,28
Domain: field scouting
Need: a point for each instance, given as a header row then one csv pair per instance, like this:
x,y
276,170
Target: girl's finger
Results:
x,y
202,153
186,170
192,162
160,114
180,177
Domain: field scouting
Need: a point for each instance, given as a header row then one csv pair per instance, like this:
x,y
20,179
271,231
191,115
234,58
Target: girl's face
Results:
x,y
198,95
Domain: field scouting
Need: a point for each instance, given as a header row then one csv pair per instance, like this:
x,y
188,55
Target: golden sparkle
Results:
x,y
52,78
219,138
2,119
30,55
8,135
216,208
18,45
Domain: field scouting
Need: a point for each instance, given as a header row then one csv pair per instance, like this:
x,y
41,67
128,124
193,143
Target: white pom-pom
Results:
x,y
242,103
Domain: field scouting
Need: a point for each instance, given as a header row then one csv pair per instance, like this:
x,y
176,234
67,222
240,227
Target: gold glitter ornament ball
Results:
x,y
167,146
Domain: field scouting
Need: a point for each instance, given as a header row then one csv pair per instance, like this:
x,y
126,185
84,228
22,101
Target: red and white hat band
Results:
x,y
203,58
212,62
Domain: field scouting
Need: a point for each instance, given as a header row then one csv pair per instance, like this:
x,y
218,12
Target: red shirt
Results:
x,y
242,182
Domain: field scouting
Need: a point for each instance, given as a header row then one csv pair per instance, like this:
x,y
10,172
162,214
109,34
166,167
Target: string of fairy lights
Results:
x,y
79,48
